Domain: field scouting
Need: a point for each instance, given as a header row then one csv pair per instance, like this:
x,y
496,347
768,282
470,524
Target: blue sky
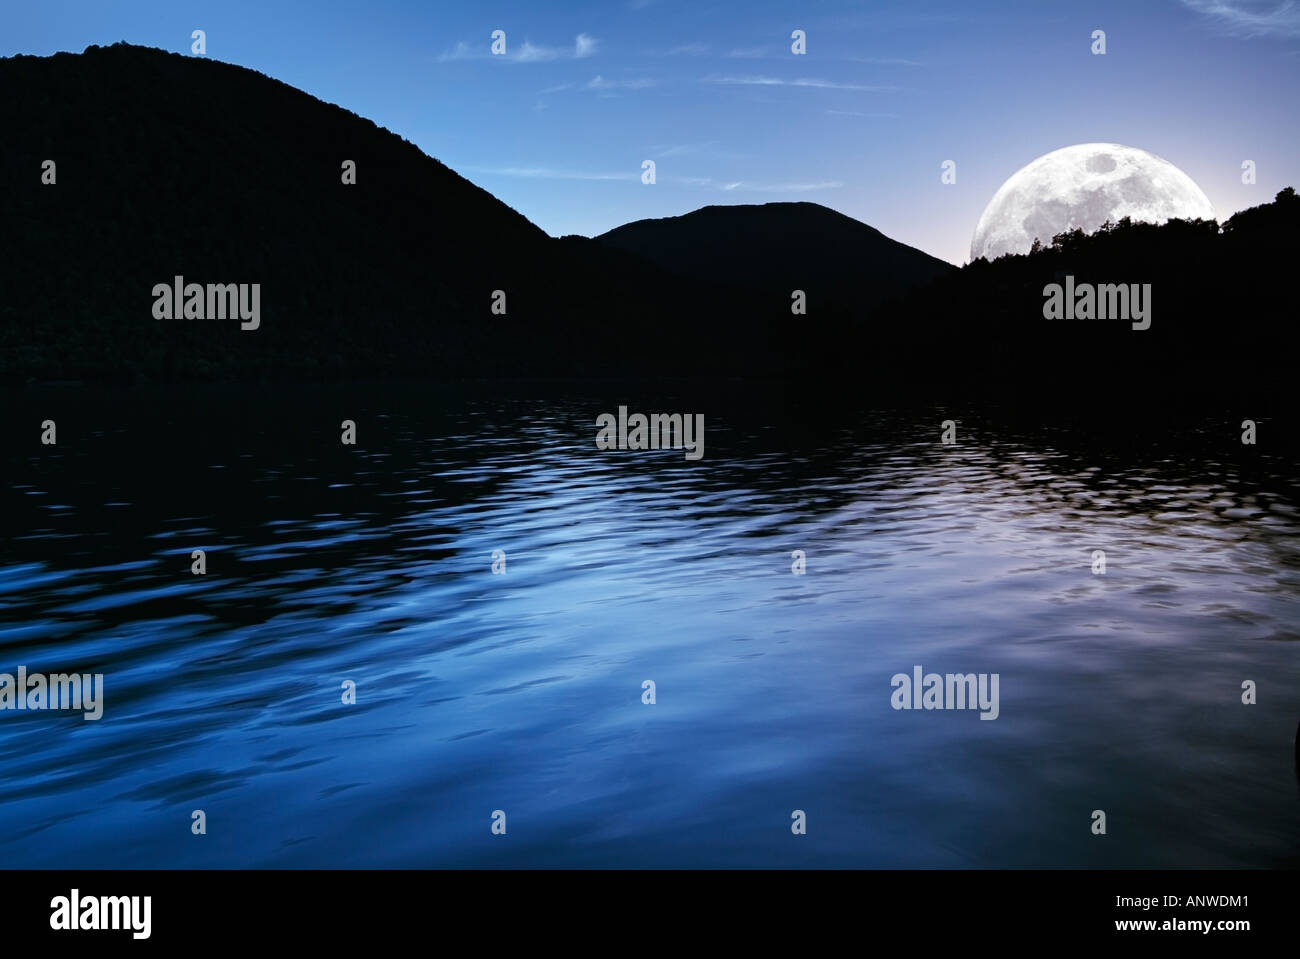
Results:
x,y
558,128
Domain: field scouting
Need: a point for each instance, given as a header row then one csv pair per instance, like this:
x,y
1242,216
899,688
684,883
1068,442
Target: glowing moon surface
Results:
x,y
1083,186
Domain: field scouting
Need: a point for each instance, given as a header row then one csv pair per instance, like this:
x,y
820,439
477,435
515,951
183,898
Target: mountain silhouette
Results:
x,y
781,247
167,165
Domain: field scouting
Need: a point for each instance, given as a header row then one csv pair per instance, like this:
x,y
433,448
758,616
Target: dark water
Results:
x,y
522,692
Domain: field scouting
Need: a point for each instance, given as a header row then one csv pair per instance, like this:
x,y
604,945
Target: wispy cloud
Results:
x,y
746,186
800,187
550,174
532,53
830,85
600,83
887,61
748,53
689,50
1251,18
584,46
462,51
782,187
709,149
880,20
761,81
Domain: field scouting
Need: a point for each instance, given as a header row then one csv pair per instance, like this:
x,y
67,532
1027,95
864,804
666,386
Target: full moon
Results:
x,y
1081,187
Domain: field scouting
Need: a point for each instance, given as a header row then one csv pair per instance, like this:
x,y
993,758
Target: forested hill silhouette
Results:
x,y
1221,311
168,165
781,247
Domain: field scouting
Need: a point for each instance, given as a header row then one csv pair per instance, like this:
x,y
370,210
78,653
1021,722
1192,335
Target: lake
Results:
x,y
521,691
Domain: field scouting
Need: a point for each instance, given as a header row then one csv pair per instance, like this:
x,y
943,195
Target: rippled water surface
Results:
x,y
522,691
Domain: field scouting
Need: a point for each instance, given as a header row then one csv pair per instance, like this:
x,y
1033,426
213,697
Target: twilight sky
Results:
x,y
710,90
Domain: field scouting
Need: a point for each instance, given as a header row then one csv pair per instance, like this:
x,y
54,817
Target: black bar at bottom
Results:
x,y
341,907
